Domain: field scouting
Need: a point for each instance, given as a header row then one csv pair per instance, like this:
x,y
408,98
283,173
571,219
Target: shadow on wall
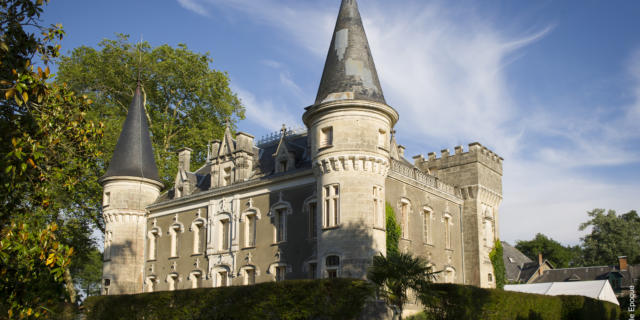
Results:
x,y
121,255
354,238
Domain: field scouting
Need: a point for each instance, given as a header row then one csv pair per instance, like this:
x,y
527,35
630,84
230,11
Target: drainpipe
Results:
x,y
464,281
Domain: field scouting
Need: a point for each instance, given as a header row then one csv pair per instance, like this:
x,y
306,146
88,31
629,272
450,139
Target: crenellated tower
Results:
x,y
349,127
478,175
130,184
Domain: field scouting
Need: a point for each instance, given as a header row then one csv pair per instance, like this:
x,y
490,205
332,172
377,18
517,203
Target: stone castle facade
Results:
x,y
306,204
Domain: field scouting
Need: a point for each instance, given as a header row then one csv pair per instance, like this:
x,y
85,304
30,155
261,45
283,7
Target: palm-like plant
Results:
x,y
395,274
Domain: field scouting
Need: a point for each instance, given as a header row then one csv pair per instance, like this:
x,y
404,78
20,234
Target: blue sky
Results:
x,y
551,86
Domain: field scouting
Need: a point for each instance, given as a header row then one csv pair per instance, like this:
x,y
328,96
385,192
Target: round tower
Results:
x,y
349,128
130,184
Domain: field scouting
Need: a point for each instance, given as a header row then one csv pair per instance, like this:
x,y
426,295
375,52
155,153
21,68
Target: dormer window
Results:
x,y
226,179
283,165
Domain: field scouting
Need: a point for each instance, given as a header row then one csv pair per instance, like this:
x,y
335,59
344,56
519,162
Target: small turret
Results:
x,y
130,184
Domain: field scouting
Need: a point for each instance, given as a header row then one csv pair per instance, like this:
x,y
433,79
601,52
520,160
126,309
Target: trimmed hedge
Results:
x,y
293,299
451,301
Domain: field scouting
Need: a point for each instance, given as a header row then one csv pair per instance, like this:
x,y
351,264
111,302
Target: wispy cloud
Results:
x,y
194,6
444,70
265,113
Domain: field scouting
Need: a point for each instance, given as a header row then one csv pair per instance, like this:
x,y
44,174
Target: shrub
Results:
x,y
451,301
393,229
498,264
294,299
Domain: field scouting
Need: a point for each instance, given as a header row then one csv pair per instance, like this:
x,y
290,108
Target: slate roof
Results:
x,y
264,165
349,67
133,155
515,262
590,273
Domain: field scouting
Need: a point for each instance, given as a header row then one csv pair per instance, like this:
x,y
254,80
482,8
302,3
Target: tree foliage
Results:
x,y
395,274
393,230
559,255
47,149
187,101
499,271
611,236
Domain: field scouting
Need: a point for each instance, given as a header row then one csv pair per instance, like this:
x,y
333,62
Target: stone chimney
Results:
x,y
401,151
184,159
622,263
540,263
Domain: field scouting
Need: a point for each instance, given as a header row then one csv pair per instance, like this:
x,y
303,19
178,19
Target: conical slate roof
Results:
x,y
133,155
349,72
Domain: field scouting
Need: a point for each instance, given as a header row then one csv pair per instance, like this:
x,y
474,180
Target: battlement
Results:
x,y
475,153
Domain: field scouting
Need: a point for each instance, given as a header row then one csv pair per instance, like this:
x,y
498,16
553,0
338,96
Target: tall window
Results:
x,y
313,268
313,216
196,279
280,273
151,284
488,232
197,227
173,231
250,276
250,230
404,218
378,207
172,280
153,244
108,239
326,137
225,234
280,224
226,179
222,278
331,216
332,264
283,166
427,216
382,138
447,232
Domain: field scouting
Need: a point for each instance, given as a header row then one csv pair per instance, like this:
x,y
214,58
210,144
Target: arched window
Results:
x,y
278,213
427,233
151,283
153,236
197,227
250,229
225,234
172,280
449,275
447,230
249,273
196,279
173,232
405,210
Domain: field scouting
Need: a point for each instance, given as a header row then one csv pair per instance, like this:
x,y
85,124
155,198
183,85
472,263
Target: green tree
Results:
x,y
396,273
48,147
187,102
88,273
498,264
559,255
393,230
611,236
